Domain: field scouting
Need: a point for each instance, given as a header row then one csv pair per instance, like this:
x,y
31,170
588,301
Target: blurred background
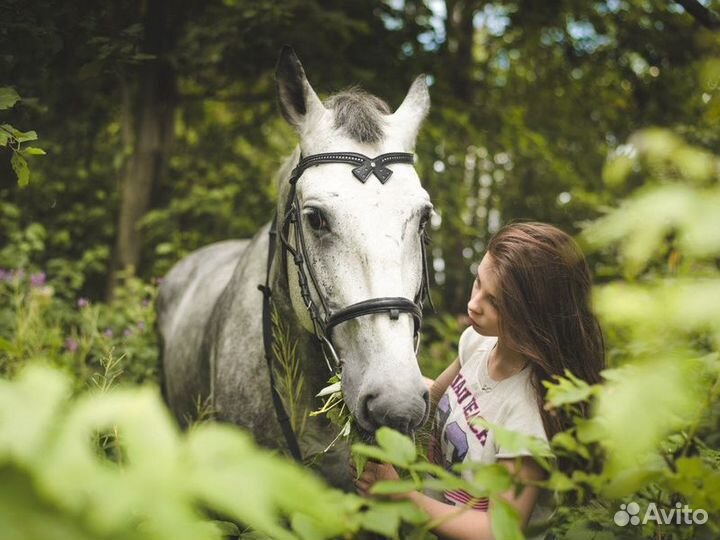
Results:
x,y
162,133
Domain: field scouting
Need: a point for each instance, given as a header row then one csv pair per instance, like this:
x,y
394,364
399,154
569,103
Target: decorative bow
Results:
x,y
374,166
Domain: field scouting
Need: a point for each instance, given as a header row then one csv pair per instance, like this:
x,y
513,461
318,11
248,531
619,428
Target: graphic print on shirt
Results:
x,y
454,444
470,408
450,442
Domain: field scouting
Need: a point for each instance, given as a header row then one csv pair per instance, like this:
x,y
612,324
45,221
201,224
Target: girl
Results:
x,y
530,320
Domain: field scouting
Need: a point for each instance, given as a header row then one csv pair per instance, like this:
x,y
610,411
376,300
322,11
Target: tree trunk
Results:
x,y
153,137
460,34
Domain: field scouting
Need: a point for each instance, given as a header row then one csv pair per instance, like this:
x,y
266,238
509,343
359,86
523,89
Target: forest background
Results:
x,y
160,134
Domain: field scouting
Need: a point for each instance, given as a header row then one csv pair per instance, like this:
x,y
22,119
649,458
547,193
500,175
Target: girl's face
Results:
x,y
482,306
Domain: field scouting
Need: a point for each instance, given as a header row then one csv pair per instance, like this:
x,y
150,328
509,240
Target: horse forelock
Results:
x,y
359,114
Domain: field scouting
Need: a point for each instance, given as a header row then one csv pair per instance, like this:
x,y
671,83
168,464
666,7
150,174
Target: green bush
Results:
x,y
90,341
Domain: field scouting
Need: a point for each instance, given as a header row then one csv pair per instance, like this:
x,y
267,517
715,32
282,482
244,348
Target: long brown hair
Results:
x,y
544,287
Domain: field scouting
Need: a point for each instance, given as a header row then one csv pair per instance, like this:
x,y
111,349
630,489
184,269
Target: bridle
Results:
x,y
323,319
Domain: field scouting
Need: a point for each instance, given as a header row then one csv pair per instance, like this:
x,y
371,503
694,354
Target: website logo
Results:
x,y
629,514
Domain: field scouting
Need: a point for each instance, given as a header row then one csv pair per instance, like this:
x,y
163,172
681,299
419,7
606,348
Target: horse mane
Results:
x,y
359,114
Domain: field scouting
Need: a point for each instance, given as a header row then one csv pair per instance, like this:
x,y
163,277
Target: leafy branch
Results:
x,y
13,138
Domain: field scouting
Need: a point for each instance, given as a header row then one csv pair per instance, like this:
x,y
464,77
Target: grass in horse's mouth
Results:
x,y
339,414
336,410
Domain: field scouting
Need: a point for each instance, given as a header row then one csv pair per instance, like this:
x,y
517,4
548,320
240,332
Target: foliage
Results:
x,y
521,122
83,338
14,138
489,480
288,376
664,380
58,484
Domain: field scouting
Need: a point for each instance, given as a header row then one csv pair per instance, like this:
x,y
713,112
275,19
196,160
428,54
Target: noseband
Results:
x,y
324,320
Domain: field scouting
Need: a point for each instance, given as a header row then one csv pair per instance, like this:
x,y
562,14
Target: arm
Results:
x,y
454,522
439,385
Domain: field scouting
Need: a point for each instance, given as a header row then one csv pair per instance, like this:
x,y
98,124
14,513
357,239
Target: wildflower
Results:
x,y
141,325
37,280
71,345
5,275
108,333
83,302
127,332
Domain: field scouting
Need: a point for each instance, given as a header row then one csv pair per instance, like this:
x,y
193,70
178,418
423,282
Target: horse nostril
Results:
x,y
386,409
366,412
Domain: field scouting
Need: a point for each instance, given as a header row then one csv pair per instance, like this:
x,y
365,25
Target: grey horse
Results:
x,y
362,242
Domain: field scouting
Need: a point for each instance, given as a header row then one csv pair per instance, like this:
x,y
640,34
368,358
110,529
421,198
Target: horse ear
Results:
x,y
295,95
412,111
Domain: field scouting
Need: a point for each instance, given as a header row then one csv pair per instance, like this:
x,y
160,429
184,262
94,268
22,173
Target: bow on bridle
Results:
x,y
323,319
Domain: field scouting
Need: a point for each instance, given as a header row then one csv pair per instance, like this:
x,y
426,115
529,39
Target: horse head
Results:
x,y
362,240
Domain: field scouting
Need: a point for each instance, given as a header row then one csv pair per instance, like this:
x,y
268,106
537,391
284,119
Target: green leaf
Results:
x,y
409,512
632,480
643,403
372,452
512,441
20,136
8,98
559,482
504,520
492,478
33,151
399,447
589,431
381,520
566,441
392,487
22,171
568,389
359,461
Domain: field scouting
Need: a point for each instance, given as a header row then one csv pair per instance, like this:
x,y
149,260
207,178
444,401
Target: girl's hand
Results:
x,y
374,472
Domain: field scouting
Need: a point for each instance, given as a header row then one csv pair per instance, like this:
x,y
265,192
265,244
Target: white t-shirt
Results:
x,y
510,403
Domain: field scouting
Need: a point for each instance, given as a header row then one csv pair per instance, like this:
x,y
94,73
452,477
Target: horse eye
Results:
x,y
316,220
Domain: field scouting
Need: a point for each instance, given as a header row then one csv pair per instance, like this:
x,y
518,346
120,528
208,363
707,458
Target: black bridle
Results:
x,y
322,317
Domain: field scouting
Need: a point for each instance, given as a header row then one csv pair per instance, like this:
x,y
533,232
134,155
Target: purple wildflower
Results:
x,y
146,302
127,332
108,333
141,325
83,302
71,344
5,275
37,280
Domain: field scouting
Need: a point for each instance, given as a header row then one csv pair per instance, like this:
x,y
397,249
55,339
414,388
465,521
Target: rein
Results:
x,y
322,318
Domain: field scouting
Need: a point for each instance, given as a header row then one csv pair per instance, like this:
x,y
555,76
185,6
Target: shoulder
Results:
x,y
520,395
472,342
521,413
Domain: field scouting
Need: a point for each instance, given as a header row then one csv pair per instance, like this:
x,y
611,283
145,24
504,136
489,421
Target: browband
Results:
x,y
365,165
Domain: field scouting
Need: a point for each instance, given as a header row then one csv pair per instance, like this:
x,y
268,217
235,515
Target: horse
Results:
x,y
361,243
